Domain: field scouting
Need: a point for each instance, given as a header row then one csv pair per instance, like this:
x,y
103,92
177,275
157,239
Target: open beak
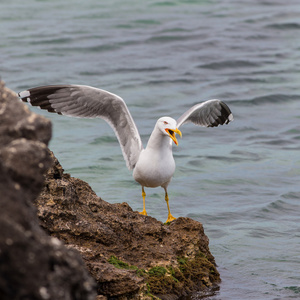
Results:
x,y
172,134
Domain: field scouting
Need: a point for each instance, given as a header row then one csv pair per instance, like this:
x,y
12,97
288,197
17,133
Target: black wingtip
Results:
x,y
225,116
38,96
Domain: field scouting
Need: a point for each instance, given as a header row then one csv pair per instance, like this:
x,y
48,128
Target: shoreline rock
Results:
x,y
33,265
130,256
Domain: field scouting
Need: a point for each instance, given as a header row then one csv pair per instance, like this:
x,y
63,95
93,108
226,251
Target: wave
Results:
x,y
138,70
279,207
284,26
83,49
228,64
169,38
51,41
235,157
291,195
104,140
267,99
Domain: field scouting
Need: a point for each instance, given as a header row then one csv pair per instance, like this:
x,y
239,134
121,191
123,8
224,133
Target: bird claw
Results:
x,y
170,219
144,213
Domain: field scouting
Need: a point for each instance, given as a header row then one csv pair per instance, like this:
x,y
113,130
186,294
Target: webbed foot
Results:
x,y
170,218
143,212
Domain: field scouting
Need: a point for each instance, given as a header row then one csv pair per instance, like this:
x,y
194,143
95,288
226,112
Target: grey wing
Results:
x,y
88,102
210,113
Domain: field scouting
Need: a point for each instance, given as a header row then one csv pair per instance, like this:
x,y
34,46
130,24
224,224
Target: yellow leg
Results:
x,y
144,203
170,217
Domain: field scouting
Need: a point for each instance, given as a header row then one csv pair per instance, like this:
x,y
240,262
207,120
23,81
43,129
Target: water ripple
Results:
x,y
229,64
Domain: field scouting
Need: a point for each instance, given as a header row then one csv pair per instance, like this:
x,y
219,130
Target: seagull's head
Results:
x,y
168,127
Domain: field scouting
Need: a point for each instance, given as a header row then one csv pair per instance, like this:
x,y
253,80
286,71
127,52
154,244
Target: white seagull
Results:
x,y
153,166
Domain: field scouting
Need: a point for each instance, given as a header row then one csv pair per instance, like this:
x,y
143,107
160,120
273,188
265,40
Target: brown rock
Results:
x,y
129,255
72,212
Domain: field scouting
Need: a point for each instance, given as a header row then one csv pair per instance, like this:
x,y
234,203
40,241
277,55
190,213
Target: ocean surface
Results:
x,y
240,180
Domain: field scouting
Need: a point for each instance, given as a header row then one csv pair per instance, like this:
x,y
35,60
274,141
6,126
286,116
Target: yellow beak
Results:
x,y
172,134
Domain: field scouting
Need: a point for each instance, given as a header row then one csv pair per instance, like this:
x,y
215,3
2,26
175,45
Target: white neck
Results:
x,y
158,140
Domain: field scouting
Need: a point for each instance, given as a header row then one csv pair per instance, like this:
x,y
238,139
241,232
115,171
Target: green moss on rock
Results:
x,y
187,275
120,264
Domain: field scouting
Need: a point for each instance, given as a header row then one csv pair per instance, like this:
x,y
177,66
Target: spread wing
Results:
x,y
88,102
210,113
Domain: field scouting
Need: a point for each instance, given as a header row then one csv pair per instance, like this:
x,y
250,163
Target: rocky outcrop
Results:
x,y
130,256
32,264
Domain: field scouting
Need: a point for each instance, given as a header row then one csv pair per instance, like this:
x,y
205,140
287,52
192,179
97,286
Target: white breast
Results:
x,y
155,168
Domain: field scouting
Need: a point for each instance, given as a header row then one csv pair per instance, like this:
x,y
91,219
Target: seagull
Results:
x,y
153,166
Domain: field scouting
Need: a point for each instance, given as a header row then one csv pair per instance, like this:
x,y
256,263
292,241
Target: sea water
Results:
x,y
240,180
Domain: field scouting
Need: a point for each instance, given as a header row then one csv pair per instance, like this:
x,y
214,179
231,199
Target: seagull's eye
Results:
x,y
165,122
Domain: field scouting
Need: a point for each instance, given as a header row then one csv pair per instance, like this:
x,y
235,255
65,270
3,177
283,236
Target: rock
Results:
x,y
32,264
128,254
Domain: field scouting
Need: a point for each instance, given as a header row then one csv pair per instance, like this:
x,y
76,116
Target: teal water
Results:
x,y
242,180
